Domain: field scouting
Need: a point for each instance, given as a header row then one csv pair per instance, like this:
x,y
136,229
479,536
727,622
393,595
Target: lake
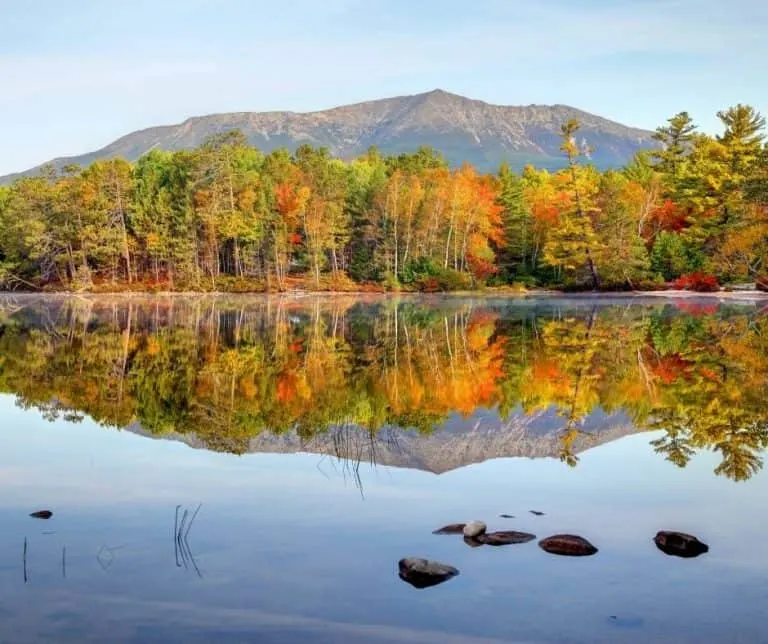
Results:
x,y
245,469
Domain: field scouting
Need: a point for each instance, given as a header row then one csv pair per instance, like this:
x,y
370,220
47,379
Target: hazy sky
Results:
x,y
78,74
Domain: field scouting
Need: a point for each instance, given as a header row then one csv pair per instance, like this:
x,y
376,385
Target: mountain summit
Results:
x,y
462,129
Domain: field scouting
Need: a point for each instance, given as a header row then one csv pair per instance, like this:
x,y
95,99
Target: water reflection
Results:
x,y
428,383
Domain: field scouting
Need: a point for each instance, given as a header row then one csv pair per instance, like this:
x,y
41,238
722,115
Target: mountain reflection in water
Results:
x,y
428,383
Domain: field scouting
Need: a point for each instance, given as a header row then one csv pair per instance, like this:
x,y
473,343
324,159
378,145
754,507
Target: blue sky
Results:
x,y
78,74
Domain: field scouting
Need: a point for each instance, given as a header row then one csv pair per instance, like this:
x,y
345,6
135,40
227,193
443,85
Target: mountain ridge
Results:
x,y
461,128
458,443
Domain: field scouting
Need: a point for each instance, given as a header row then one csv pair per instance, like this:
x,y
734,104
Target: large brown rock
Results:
x,y
505,538
453,528
567,545
679,544
422,573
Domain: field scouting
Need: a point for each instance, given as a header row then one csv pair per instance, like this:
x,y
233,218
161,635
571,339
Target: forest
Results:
x,y
224,372
692,213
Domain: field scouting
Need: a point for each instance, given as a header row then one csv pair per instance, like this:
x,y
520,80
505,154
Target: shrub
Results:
x,y
527,281
423,267
232,284
390,283
429,285
673,256
652,283
518,287
699,282
444,279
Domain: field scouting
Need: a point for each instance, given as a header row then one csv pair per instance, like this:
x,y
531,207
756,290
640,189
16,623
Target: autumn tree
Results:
x,y
573,242
675,138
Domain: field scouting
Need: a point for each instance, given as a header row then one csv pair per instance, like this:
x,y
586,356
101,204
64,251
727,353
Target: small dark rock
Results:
x,y
453,528
42,514
473,542
421,573
536,513
626,622
679,544
507,516
568,545
505,538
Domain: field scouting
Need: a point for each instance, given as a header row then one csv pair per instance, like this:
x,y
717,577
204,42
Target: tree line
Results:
x,y
224,216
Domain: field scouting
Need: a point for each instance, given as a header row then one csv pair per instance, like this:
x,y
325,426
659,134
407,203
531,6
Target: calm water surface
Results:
x,y
323,439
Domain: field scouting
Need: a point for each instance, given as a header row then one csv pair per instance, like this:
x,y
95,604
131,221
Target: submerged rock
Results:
x,y
474,529
422,573
679,544
42,514
507,516
536,513
453,528
505,538
568,545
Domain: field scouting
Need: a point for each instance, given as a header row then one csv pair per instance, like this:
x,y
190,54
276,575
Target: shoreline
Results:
x,y
745,295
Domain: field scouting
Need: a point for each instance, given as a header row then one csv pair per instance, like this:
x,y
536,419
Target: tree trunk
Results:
x,y
121,213
593,270
580,211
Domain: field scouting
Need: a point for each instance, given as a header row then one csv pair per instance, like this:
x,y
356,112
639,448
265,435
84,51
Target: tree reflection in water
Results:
x,y
357,373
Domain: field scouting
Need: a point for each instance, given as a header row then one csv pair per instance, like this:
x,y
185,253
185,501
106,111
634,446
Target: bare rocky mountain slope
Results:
x,y
458,443
461,128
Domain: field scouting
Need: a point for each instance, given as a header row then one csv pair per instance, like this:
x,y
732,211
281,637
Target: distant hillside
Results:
x,y
461,128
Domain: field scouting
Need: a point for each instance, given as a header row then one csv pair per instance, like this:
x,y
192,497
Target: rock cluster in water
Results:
x,y
423,573
476,534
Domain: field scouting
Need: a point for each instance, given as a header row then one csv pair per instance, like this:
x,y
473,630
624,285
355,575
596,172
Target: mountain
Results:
x,y
458,443
461,128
